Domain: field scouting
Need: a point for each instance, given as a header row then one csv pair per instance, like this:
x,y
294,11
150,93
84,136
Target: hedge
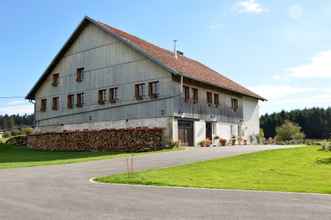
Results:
x,y
128,140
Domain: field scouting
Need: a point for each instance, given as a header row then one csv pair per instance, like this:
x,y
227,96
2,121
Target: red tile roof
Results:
x,y
184,65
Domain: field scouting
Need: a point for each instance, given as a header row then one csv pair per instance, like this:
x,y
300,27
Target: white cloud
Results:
x,y
288,97
16,107
250,6
318,67
295,12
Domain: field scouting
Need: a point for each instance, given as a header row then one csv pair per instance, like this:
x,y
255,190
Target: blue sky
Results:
x,y
280,49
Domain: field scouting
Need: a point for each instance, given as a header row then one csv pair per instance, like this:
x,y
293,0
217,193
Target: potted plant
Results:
x,y
205,143
233,140
223,142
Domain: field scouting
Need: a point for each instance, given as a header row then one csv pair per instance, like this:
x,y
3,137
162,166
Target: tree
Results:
x,y
289,131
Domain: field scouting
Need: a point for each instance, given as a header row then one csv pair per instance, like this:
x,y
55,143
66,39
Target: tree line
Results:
x,y
315,122
11,122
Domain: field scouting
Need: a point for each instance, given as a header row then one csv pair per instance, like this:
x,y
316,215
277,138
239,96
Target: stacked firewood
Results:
x,y
127,140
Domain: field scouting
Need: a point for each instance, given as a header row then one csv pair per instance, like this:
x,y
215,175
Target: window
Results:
x,y
209,98
234,104
55,104
43,105
139,91
80,100
79,74
55,81
113,95
153,89
216,100
195,95
102,97
70,101
186,94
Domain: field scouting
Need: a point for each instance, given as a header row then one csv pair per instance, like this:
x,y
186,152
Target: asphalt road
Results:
x,y
64,192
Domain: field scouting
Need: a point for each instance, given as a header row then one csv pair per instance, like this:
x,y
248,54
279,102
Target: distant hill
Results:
x,y
10,122
315,122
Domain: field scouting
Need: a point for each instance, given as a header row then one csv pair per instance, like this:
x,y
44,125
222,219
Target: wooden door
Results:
x,y
185,132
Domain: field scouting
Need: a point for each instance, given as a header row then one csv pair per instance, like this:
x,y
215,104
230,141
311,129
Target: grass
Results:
x,y
14,157
304,169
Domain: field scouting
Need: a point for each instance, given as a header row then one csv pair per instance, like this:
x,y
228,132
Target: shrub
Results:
x,y
6,134
15,132
289,132
17,140
223,142
27,131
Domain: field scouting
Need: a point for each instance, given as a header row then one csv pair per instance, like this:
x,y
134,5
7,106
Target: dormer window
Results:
x,y
79,74
55,79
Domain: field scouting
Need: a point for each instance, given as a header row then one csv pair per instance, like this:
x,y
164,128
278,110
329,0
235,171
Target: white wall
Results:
x,y
251,124
199,130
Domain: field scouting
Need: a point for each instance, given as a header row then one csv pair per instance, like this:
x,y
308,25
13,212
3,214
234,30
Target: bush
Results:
x,y
27,131
289,132
17,140
6,134
15,132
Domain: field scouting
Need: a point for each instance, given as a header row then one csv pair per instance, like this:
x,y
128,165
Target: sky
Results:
x,y
279,49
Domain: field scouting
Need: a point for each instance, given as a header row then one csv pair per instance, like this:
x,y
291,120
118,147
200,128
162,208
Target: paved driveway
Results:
x,y
64,192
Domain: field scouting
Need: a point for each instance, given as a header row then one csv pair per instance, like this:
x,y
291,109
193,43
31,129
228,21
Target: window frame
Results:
x,y
216,99
55,103
113,94
102,96
80,100
43,105
195,95
186,94
70,101
234,104
55,79
80,74
139,91
154,89
209,97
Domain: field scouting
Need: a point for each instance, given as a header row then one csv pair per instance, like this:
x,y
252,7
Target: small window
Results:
x,y
55,104
153,89
102,97
186,94
195,95
234,104
56,77
139,91
209,98
80,100
216,100
79,74
43,105
113,95
70,101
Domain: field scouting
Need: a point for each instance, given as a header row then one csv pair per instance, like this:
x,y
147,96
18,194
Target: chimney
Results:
x,y
175,49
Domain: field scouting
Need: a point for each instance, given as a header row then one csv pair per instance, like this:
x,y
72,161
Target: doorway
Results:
x,y
185,132
209,130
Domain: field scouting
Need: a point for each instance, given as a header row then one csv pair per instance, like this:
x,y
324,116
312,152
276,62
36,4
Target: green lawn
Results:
x,y
13,157
304,169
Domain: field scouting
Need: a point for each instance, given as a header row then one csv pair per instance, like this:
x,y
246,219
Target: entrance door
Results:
x,y
185,132
209,130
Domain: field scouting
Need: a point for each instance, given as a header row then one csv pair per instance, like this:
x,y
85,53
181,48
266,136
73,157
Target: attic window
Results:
x,y
79,74
55,79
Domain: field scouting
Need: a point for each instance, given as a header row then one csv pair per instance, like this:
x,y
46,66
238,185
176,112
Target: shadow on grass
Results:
x,y
324,161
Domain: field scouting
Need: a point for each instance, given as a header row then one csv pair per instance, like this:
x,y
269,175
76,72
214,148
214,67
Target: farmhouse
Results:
x,y
106,78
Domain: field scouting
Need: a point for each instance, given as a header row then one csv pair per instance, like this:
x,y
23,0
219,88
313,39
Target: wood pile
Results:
x,y
126,140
